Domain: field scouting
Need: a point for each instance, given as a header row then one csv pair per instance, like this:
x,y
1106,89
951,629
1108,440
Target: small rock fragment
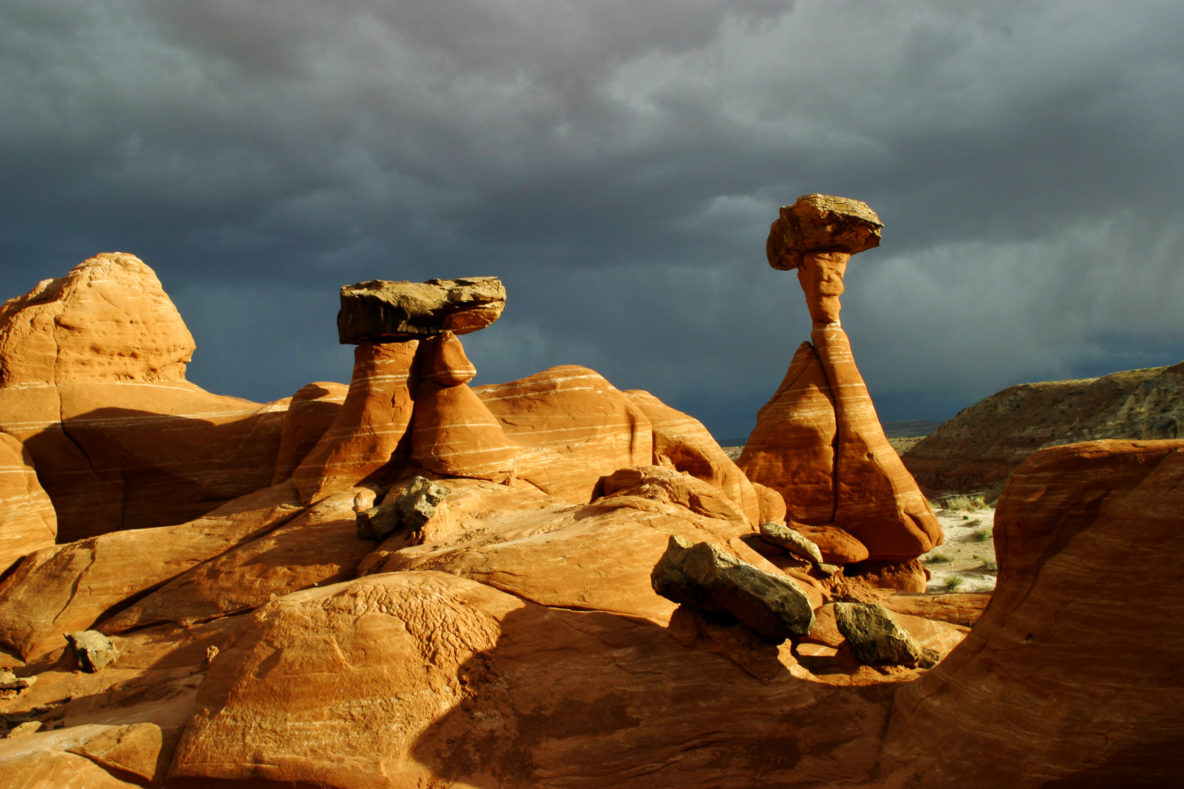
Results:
x,y
798,544
92,650
414,507
25,729
10,681
705,577
876,639
377,523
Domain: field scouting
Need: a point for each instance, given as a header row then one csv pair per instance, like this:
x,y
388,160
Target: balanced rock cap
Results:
x,y
381,311
821,223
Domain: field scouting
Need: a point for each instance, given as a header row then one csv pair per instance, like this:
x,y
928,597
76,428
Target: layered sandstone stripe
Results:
x,y
27,519
792,448
572,427
453,432
877,499
368,439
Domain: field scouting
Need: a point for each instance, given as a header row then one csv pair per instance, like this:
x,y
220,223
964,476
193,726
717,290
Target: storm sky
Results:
x,y
617,164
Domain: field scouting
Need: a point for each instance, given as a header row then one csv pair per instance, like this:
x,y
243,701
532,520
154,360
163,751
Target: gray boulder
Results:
x,y
705,577
794,542
410,510
876,639
92,650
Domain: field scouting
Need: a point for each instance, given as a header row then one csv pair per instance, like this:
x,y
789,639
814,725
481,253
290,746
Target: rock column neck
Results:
x,y
821,277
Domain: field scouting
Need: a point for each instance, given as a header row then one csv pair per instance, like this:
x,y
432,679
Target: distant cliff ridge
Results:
x,y
980,447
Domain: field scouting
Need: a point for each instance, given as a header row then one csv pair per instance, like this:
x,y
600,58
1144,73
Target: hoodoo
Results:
x,y
818,440
409,397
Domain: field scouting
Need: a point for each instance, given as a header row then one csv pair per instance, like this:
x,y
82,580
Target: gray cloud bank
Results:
x,y
617,165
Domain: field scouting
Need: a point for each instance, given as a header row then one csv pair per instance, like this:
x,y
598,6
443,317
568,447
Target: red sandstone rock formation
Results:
x,y
409,399
453,431
27,519
572,427
311,412
818,441
92,382
63,588
683,443
516,641
1069,677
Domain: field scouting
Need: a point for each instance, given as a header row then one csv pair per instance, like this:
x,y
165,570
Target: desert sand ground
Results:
x,y
965,562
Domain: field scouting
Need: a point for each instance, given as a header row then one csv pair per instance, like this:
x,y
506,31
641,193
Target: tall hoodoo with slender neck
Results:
x,y
818,441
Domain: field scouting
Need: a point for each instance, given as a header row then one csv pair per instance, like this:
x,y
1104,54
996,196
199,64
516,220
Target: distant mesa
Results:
x,y
979,448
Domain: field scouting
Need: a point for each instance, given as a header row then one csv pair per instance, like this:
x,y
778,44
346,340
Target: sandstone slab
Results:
x,y
65,588
316,546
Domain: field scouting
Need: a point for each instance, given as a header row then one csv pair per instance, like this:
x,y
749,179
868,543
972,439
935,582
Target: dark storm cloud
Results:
x,y
617,165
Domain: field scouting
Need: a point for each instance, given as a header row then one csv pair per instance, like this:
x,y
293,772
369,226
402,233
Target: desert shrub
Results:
x,y
983,534
953,582
936,558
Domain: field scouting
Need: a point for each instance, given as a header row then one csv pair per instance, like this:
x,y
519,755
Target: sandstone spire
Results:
x,y
818,441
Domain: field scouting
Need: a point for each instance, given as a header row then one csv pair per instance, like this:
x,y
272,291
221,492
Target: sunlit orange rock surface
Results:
x,y
92,382
27,518
514,638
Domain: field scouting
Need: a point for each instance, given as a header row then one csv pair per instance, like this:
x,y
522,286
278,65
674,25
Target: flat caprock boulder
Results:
x,y
385,311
